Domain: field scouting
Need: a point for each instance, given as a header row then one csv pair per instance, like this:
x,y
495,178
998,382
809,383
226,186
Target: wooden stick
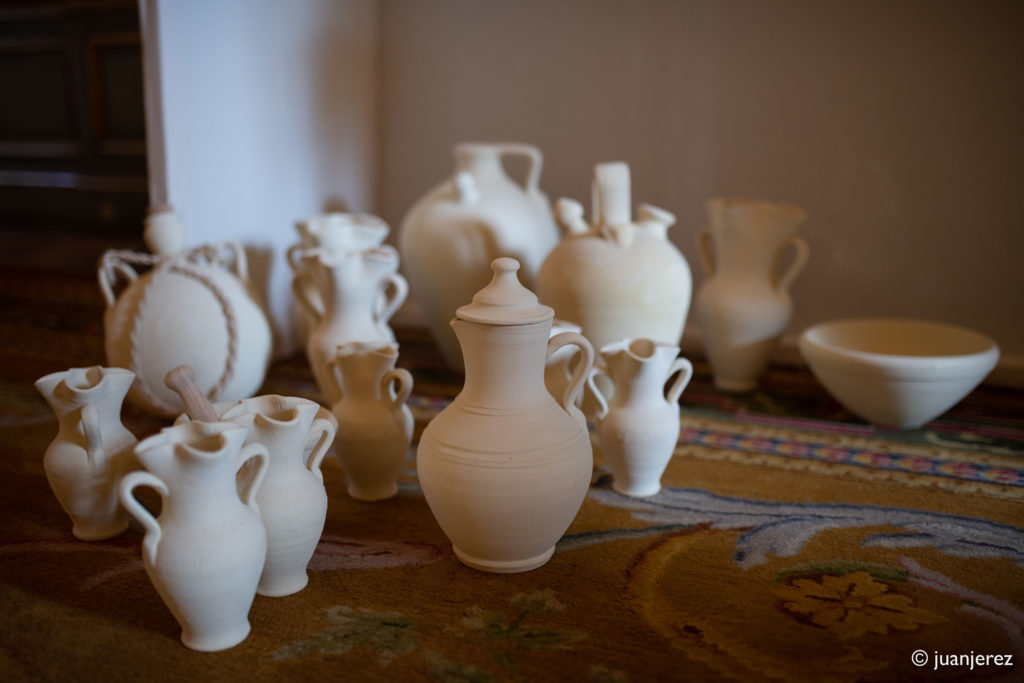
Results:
x,y
183,381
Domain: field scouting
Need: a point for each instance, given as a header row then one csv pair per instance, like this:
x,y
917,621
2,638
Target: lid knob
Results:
x,y
505,301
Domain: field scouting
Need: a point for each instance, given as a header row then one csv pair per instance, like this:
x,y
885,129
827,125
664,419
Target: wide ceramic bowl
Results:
x,y
897,372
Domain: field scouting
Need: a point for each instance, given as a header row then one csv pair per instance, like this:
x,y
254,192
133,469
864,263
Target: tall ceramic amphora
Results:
x,y
374,424
744,306
292,501
205,552
360,291
92,450
638,425
450,236
617,277
506,466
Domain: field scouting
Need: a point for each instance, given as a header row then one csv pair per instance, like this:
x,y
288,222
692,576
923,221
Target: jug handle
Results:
x,y
293,258
534,159
327,431
252,486
299,287
579,374
240,264
704,251
93,434
602,402
685,369
399,291
800,254
107,276
398,385
153,532
334,378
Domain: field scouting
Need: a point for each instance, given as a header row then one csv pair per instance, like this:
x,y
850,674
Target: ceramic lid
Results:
x,y
505,301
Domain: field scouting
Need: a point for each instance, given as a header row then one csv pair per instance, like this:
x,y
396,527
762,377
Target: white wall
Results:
x,y
260,112
897,125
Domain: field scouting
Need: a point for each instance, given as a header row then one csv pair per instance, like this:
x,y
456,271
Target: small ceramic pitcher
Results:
x,y
292,501
206,550
374,424
639,426
92,449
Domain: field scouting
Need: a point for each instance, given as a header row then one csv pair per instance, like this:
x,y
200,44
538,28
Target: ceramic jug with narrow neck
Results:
x,y
505,466
450,236
92,450
744,306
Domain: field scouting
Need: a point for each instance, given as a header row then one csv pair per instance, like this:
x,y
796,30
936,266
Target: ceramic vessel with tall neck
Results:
x,y
617,277
205,552
744,306
450,236
352,285
638,425
374,424
92,450
506,466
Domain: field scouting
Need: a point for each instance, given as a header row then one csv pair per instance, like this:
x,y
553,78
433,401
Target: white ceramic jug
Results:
x,y
639,426
743,306
374,424
205,552
360,291
92,450
292,501
194,307
505,467
617,278
450,236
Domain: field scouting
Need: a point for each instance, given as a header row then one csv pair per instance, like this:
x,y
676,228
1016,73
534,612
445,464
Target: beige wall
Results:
x,y
897,125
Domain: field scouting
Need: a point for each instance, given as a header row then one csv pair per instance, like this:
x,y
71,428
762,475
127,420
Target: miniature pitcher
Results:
x,y
639,426
505,467
744,306
374,424
450,236
92,450
206,550
292,501
351,284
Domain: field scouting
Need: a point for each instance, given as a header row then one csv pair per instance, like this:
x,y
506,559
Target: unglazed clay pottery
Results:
x,y
205,551
639,426
360,291
897,372
92,450
505,467
617,277
374,424
744,306
194,308
450,236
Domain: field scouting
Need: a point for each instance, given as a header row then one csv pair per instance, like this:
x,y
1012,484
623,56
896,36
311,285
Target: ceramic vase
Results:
x,y
638,426
205,552
450,236
743,306
505,467
92,450
374,424
195,308
292,501
617,277
360,291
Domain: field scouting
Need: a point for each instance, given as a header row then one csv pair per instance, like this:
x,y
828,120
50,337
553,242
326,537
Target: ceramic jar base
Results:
x,y
635,490
511,567
216,642
282,587
370,494
735,385
98,530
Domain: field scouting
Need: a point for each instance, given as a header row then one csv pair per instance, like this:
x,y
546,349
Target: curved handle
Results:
x,y
252,486
579,374
241,263
301,285
326,431
685,370
136,510
93,434
397,384
107,276
398,288
602,402
535,161
333,378
704,251
800,254
295,259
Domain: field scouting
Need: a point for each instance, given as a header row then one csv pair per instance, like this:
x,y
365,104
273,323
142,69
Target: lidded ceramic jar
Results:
x,y
617,277
450,236
506,466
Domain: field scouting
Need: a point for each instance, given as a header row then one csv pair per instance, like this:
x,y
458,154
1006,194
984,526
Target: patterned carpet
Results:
x,y
790,542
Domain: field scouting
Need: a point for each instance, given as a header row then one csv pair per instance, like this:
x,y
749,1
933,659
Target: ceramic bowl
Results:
x,y
897,372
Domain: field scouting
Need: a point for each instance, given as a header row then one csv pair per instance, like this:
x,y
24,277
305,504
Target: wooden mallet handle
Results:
x,y
198,407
